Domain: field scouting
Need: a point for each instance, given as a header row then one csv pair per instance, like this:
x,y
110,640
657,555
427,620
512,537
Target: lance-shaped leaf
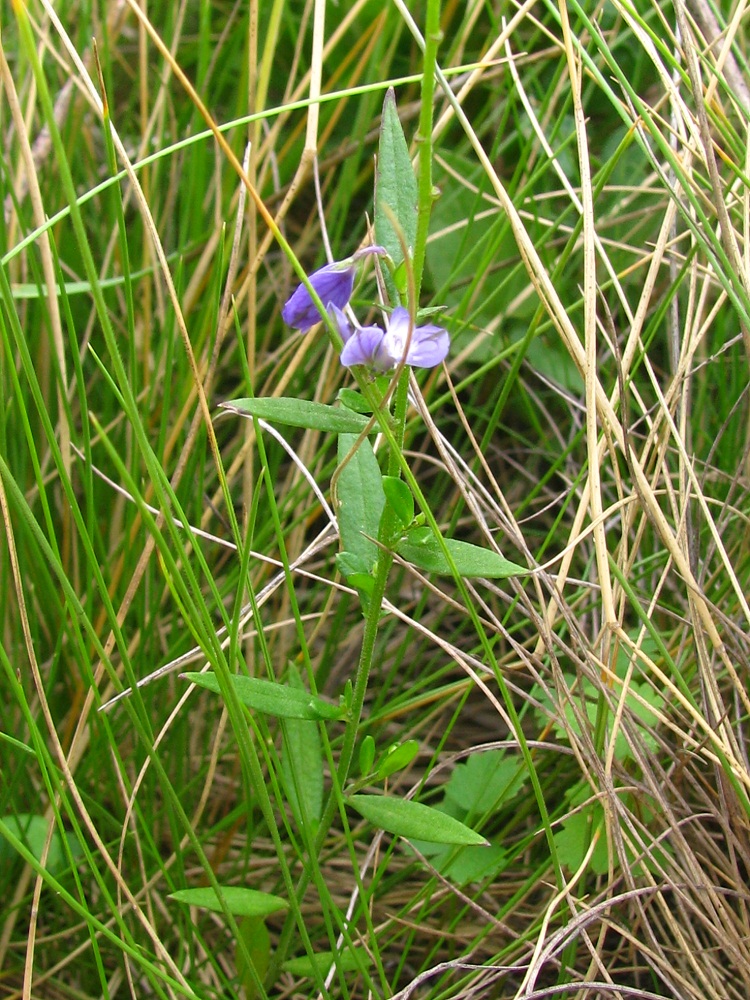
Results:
x,y
422,548
271,698
300,413
360,500
239,901
302,763
395,189
414,820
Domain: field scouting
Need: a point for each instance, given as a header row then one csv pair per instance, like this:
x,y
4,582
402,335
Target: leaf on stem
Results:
x,y
395,190
300,413
271,698
239,901
414,820
422,548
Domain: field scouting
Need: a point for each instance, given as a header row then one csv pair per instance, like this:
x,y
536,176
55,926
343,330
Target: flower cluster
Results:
x,y
378,349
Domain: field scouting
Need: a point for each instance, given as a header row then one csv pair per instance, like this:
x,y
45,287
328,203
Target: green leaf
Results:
x,y
364,582
353,400
412,819
360,499
302,763
303,966
576,831
271,698
239,901
587,701
423,550
395,189
366,755
300,413
485,781
349,563
396,758
257,940
400,498
465,865
474,864
32,830
574,837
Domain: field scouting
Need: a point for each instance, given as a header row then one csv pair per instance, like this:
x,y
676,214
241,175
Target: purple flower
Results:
x,y
382,350
333,283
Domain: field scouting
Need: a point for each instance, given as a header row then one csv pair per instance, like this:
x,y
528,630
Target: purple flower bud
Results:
x,y
333,284
382,350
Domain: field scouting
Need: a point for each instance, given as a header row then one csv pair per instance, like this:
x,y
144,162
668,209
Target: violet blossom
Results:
x,y
382,350
333,283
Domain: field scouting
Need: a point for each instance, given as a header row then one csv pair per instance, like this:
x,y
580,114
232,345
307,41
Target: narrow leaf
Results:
x,y
400,498
239,901
302,763
366,755
271,698
361,499
353,400
395,187
257,940
399,756
300,413
323,960
423,550
412,819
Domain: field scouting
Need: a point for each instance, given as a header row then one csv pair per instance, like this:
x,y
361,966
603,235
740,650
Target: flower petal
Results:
x,y
399,321
429,345
363,347
333,283
339,318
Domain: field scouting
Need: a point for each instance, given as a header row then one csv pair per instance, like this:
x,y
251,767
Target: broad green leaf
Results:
x,y
423,550
574,837
464,865
484,781
271,698
587,699
300,413
303,966
364,582
396,758
360,499
32,830
400,498
395,187
257,942
302,763
414,820
350,564
239,901
474,864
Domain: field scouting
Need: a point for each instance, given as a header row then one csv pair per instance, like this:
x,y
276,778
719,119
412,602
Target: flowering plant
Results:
x,y
378,349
